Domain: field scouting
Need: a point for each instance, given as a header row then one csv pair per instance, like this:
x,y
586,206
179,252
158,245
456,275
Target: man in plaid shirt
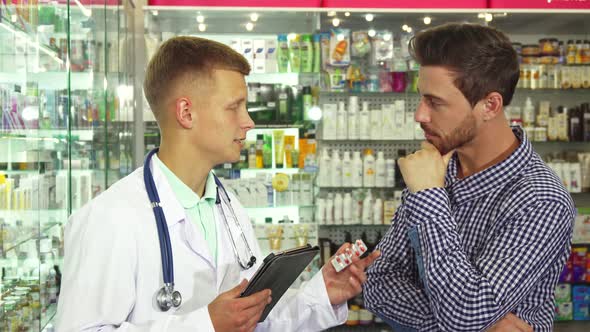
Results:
x,y
485,226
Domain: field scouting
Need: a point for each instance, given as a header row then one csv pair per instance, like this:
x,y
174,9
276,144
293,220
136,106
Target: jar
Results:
x,y
353,316
549,46
548,60
531,49
571,52
530,60
365,317
540,134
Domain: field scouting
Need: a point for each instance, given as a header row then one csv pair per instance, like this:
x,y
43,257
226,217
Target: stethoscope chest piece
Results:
x,y
167,298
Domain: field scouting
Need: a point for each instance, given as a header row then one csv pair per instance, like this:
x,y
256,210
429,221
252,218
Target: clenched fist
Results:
x,y
425,168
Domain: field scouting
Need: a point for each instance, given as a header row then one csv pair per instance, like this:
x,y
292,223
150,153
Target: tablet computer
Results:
x,y
278,272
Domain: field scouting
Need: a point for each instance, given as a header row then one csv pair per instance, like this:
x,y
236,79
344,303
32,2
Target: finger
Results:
x,y
367,261
254,299
425,145
520,324
355,284
358,274
255,314
447,157
236,291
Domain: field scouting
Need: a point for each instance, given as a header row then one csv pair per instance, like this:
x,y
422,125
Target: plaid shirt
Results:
x,y
462,257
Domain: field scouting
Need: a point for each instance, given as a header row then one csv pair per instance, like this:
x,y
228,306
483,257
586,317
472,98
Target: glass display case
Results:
x,y
63,139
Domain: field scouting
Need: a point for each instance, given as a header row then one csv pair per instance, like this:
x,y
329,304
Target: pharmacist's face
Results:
x,y
222,119
448,120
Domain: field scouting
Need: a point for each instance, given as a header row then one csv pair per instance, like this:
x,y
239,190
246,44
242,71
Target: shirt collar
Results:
x,y
493,177
185,195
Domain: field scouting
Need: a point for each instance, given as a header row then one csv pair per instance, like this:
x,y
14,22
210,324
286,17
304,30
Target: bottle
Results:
x,y
369,169
576,133
380,173
252,156
364,122
325,165
259,151
338,209
330,209
341,121
335,169
367,218
320,212
346,170
283,53
306,54
586,121
356,179
353,117
307,102
124,161
390,173
376,117
317,54
347,209
329,120
378,212
528,113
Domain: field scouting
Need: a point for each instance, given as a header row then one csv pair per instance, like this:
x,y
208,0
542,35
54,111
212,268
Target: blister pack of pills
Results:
x,y
341,261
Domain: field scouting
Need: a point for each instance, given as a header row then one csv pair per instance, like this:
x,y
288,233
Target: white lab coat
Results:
x,y
112,268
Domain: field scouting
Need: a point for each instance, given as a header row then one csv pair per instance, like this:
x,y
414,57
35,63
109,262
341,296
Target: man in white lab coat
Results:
x,y
112,265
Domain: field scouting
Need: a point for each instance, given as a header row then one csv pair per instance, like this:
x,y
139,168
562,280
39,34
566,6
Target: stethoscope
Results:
x,y
167,297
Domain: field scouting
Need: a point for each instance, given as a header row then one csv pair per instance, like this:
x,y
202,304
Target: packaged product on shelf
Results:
x,y
579,269
341,121
325,50
361,44
317,53
295,53
564,311
339,47
581,310
283,53
307,55
376,120
259,56
563,293
382,47
270,46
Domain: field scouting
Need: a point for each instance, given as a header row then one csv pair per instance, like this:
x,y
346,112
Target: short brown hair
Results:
x,y
180,55
481,57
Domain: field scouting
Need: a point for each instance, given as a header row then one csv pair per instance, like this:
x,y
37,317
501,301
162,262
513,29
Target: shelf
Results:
x,y
279,78
48,316
51,80
76,134
257,208
20,242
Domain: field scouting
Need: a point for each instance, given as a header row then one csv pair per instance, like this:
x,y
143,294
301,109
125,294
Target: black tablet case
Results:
x,y
278,272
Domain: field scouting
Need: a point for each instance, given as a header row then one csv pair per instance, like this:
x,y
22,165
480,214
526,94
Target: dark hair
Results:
x,y
180,56
481,57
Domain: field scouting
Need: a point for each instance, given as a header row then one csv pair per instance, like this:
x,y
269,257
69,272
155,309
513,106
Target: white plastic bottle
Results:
x,y
324,179
353,117
378,212
369,169
528,116
342,121
330,209
365,122
336,169
367,218
390,173
376,132
380,170
356,179
347,209
346,170
388,129
329,120
320,212
338,209
357,210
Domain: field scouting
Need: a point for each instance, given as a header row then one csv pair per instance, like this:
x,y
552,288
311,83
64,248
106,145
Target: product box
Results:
x,y
388,211
271,55
579,264
581,311
247,46
564,311
581,294
259,48
567,273
563,293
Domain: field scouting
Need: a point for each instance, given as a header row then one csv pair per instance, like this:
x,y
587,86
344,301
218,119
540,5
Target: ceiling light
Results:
x,y
405,27
427,20
489,17
202,27
249,26
331,13
347,14
409,29
200,18
336,21
253,17
372,33
387,37
481,15
155,12
369,17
